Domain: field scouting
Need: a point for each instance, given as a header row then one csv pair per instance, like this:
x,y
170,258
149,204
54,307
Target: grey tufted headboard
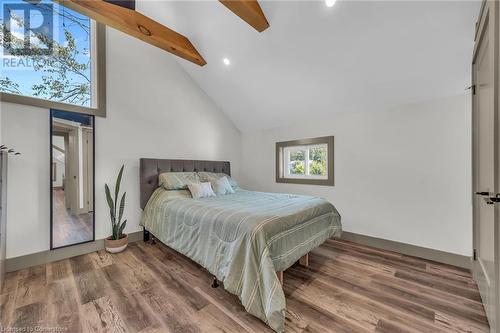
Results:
x,y
150,169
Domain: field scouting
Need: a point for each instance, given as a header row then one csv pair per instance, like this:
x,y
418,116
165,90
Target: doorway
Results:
x,y
485,155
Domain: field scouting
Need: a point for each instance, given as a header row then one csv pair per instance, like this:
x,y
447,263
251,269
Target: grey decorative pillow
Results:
x,y
205,177
202,190
178,180
221,186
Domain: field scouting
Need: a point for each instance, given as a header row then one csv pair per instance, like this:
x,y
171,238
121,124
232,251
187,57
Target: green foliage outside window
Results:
x,y
297,162
317,161
297,168
298,155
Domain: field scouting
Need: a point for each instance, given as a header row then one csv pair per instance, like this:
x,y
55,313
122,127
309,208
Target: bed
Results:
x,y
246,239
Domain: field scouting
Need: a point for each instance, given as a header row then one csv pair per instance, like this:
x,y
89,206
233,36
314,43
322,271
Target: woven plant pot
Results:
x,y
116,245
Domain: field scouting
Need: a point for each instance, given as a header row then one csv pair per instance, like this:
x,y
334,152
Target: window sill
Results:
x,y
305,181
46,104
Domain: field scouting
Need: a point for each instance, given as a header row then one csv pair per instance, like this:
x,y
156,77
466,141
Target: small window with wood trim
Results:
x,y
306,161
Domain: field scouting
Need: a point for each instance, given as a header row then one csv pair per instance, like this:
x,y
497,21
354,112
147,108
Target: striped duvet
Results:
x,y
244,239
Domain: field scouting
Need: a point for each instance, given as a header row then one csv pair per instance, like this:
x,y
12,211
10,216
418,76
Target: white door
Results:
x,y
485,160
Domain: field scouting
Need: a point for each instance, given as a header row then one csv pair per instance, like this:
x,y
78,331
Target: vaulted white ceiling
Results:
x,y
314,60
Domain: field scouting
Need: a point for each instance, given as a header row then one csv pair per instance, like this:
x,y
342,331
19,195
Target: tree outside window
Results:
x,y
65,74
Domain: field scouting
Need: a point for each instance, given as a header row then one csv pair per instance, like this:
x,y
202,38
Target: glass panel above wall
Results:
x,y
52,57
47,53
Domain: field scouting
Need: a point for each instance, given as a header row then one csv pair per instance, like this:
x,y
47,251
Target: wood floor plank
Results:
x,y
173,282
148,288
385,326
58,270
363,289
349,259
432,294
139,276
126,295
394,258
89,282
465,291
154,329
100,315
232,308
62,309
101,258
200,280
321,319
350,305
456,324
32,286
7,307
398,265
62,297
333,300
211,319
169,310
338,268
11,281
435,304
8,297
30,316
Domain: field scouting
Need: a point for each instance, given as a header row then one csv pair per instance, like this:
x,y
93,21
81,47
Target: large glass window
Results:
x,y
49,52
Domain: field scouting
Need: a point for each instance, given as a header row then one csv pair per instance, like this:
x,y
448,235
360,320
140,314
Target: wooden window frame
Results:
x,y
280,172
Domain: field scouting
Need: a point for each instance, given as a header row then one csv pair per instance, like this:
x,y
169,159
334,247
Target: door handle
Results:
x,y
495,199
483,193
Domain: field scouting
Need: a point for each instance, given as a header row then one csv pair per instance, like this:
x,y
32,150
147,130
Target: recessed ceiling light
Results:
x,y
226,61
330,3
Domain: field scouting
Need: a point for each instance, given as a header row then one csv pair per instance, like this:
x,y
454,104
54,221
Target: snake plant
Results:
x,y
116,219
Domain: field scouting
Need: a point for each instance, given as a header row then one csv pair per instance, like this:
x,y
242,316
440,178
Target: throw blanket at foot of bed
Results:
x,y
244,239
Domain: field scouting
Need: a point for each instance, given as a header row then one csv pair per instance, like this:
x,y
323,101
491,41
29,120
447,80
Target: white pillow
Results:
x,y
202,190
221,186
205,177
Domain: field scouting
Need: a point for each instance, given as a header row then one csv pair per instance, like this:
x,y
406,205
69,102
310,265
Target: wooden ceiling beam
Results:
x,y
249,11
137,25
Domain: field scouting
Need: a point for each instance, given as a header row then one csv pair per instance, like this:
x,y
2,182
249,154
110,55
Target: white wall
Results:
x,y
401,175
154,110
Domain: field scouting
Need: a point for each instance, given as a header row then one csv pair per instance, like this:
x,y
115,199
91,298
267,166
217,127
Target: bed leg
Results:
x,y
304,261
153,240
215,283
145,235
280,276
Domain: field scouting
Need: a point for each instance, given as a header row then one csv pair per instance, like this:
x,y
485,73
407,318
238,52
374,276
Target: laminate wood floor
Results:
x,y
150,288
